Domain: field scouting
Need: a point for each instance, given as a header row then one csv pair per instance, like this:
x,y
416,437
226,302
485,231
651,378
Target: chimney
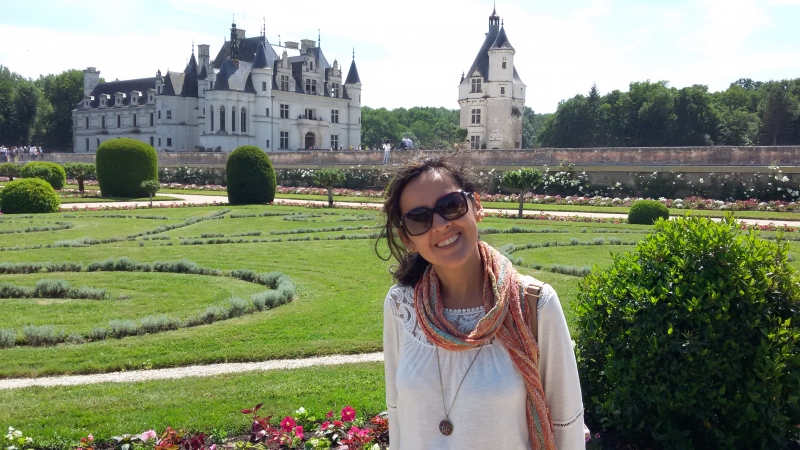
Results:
x,y
306,44
203,54
91,78
290,44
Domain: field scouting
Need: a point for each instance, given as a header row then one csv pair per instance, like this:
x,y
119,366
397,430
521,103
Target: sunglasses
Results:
x,y
451,207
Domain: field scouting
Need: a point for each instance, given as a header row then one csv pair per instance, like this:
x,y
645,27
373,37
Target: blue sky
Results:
x,y
412,52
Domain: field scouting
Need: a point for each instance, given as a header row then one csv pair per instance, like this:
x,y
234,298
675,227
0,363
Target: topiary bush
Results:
x,y
48,171
646,212
122,165
250,177
691,341
28,195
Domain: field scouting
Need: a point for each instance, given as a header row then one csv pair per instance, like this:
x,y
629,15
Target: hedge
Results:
x,y
48,171
28,195
250,177
122,165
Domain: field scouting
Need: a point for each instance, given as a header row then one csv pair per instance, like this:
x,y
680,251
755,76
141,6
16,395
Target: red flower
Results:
x,y
298,431
348,414
287,424
337,423
329,415
324,425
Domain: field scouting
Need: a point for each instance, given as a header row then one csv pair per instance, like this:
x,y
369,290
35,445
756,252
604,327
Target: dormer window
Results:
x,y
104,98
134,101
311,86
119,98
334,90
476,85
284,82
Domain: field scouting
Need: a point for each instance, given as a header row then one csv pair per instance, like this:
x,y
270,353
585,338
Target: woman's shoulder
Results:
x,y
398,296
547,293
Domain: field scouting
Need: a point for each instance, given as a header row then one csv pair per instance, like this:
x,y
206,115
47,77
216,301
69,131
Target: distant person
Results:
x,y
387,147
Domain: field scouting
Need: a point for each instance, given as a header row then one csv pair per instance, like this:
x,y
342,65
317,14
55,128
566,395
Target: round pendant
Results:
x,y
446,427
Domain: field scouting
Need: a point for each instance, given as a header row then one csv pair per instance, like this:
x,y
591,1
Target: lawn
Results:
x,y
330,256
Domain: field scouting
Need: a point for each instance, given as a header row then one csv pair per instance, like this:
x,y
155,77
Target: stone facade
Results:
x,y
492,95
277,97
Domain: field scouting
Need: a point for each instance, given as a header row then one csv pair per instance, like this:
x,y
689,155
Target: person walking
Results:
x,y
387,147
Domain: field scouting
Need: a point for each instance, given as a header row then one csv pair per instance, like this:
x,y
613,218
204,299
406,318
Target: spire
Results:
x,y
352,75
234,44
319,38
494,19
261,61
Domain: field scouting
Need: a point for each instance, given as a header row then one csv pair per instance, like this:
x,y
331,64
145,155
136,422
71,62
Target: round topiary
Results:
x,y
48,171
122,165
28,195
250,177
646,212
691,341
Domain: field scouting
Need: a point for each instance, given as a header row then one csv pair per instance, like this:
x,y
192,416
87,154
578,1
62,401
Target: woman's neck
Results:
x,y
463,288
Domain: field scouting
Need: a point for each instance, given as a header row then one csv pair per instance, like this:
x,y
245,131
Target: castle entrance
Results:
x,y
311,141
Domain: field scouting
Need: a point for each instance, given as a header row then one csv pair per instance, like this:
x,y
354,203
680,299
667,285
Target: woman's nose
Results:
x,y
439,221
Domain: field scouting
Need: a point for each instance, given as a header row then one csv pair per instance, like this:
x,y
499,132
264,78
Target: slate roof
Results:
x,y
261,61
352,75
247,51
203,74
225,71
189,88
502,40
127,86
481,62
173,83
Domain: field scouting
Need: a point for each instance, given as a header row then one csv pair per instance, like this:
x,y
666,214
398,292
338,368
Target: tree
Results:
x,y
151,186
531,125
80,171
777,108
521,180
327,178
9,170
62,92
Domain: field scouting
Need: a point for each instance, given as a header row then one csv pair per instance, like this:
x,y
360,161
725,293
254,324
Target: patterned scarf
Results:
x,y
505,319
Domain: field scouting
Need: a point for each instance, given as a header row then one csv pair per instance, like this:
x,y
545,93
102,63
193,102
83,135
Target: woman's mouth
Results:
x,y
447,242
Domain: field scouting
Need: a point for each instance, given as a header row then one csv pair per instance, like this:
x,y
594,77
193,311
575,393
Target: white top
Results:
x,y
489,411
387,147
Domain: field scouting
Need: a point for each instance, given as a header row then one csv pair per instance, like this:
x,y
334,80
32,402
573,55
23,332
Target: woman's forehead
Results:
x,y
426,188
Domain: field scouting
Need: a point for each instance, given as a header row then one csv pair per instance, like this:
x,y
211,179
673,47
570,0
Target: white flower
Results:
x,y
701,180
300,411
785,179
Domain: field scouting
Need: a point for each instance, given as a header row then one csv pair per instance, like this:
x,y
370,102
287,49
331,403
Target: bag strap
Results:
x,y
532,293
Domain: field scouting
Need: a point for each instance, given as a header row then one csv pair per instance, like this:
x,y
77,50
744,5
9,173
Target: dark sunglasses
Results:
x,y
451,207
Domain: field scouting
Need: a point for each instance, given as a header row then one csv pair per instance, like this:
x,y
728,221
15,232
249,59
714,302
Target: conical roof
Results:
x,y
190,79
352,75
224,73
502,40
261,62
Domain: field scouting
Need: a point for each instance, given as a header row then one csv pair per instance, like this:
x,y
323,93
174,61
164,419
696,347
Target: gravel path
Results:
x,y
189,371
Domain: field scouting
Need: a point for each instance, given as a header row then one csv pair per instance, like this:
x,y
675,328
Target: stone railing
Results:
x,y
582,157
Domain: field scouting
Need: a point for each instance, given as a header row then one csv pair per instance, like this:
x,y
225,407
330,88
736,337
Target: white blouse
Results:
x,y
489,409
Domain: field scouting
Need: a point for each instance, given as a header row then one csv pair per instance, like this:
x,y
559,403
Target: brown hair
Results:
x,y
411,266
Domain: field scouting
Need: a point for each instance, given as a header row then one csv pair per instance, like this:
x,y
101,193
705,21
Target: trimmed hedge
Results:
x,y
122,166
28,195
250,177
48,171
691,341
646,212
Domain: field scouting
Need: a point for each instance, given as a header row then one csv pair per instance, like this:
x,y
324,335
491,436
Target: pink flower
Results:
x,y
287,424
324,425
213,447
91,438
329,415
355,431
337,423
149,434
298,431
348,414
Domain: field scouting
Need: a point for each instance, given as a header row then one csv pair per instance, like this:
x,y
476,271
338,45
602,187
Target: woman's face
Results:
x,y
449,244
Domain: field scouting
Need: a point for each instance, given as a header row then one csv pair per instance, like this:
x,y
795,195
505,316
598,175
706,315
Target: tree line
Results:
x,y
652,114
38,112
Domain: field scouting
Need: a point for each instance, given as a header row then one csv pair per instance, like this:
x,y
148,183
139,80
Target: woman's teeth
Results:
x,y
449,241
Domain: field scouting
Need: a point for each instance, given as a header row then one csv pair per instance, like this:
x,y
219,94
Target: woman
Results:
x,y
463,369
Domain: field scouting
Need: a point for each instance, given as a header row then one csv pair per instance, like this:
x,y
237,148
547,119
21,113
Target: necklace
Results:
x,y
446,426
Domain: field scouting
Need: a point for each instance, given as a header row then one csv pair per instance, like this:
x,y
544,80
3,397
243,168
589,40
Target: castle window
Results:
x,y
284,111
502,90
87,124
87,144
119,121
475,142
169,142
284,82
311,65
244,121
309,114
334,141
233,119
159,114
152,141
264,86
98,142
211,108
476,85
267,146
334,116
476,116
221,118
267,112
135,123
311,86
504,64
151,119
334,90
103,122
169,114
159,142
284,144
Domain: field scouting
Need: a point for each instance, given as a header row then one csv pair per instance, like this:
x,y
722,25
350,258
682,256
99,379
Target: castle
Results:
x,y
491,95
277,97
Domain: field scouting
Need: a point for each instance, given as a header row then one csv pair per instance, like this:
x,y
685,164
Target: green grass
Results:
x,y
214,403
116,199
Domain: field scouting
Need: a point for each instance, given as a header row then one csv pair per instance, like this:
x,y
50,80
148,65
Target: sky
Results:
x,y
413,52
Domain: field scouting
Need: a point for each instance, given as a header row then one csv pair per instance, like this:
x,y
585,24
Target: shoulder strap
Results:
x,y
532,293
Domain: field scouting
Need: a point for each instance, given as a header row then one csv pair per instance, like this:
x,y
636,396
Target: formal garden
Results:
x,y
657,319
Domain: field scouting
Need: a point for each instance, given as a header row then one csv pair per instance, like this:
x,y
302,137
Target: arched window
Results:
x,y
233,119
244,120
211,108
221,118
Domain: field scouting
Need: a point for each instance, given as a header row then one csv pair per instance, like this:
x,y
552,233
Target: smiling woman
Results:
x,y
456,297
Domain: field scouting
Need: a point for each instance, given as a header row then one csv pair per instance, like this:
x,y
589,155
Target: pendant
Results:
x,y
446,427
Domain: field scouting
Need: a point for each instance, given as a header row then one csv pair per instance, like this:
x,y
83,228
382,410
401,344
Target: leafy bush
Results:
x,y
8,336
646,212
154,324
327,178
8,290
691,340
9,170
250,177
122,328
28,195
43,335
122,166
45,288
48,171
238,307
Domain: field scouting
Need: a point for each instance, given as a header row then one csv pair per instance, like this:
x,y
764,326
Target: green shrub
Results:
x,y
250,177
48,171
691,340
646,212
238,307
46,288
28,195
8,336
9,170
122,165
43,335
122,328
